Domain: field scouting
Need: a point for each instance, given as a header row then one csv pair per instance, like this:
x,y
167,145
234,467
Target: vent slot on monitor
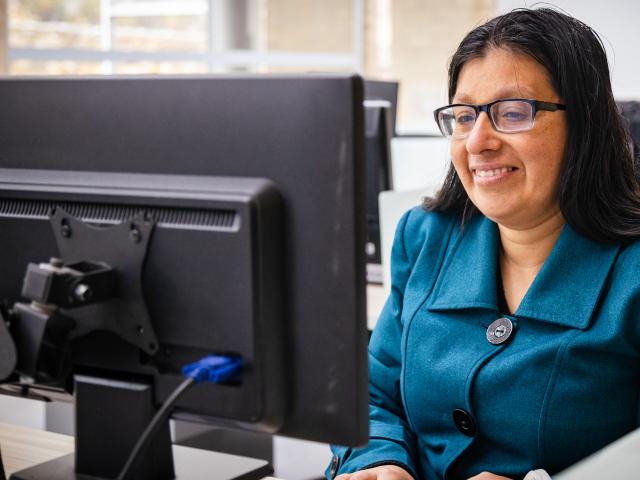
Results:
x,y
104,213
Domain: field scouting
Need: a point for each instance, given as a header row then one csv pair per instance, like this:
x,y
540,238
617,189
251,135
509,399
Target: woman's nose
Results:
x,y
482,136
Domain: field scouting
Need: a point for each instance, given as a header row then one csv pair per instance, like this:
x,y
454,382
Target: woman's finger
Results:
x,y
488,476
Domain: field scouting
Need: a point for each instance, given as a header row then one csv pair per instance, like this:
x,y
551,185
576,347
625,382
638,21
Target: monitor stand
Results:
x,y
110,417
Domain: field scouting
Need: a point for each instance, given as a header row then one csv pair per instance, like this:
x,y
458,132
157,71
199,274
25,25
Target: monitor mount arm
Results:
x,y
95,285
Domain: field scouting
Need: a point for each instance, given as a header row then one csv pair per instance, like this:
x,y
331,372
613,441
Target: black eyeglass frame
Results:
x,y
536,105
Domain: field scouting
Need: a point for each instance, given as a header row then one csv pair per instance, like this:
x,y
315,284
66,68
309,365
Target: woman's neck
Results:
x,y
528,248
522,255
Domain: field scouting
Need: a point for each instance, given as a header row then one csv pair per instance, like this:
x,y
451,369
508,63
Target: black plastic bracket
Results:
x,y
123,247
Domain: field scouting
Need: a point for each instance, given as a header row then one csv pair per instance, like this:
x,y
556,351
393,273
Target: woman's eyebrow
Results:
x,y
461,98
507,92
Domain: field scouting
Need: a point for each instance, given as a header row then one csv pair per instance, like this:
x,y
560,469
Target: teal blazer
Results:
x,y
445,403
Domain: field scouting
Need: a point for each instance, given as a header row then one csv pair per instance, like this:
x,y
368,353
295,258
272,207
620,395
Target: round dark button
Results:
x,y
499,331
464,422
333,469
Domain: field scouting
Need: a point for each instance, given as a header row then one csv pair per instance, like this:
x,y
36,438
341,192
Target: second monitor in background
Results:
x,y
387,91
380,111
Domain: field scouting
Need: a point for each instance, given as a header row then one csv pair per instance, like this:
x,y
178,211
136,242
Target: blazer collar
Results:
x,y
565,291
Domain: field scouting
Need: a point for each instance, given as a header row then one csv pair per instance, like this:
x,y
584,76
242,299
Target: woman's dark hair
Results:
x,y
598,193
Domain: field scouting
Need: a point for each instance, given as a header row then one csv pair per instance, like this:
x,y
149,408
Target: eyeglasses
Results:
x,y
508,115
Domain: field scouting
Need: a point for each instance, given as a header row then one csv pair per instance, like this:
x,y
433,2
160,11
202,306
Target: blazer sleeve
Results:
x,y
391,440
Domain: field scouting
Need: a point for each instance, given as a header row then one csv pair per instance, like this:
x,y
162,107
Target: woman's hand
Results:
x,y
488,476
383,472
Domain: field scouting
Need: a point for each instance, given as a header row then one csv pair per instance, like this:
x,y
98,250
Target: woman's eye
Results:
x,y
465,118
513,116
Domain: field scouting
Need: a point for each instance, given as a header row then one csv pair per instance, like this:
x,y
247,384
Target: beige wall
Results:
x,y
424,35
309,25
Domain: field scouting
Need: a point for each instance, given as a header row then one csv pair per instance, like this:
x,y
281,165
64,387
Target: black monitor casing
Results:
x,y
213,143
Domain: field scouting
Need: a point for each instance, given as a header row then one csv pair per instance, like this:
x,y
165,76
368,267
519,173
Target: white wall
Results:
x,y
418,162
617,22
22,411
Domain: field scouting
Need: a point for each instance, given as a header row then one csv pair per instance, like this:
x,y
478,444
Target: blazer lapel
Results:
x,y
565,291
468,275
569,284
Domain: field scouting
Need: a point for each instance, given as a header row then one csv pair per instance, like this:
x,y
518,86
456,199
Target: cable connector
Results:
x,y
213,369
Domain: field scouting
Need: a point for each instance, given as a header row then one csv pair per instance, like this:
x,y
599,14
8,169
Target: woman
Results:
x,y
511,339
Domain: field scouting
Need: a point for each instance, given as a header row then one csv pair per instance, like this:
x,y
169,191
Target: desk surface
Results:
x,y
24,447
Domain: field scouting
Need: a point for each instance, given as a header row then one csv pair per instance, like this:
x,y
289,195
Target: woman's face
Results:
x,y
511,177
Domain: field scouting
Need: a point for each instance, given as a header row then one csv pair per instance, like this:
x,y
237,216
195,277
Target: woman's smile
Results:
x,y
491,175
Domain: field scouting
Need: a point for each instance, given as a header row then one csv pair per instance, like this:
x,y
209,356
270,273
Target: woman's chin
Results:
x,y
499,212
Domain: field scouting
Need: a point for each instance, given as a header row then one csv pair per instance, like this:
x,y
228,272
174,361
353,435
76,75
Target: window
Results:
x,y
405,40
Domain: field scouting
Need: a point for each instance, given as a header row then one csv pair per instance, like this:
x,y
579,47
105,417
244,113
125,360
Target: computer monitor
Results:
x,y
232,210
378,133
386,90
381,99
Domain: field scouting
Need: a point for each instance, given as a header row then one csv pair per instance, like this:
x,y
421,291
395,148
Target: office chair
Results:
x,y
631,113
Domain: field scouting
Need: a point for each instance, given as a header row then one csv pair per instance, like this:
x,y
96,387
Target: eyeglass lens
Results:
x,y
507,116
